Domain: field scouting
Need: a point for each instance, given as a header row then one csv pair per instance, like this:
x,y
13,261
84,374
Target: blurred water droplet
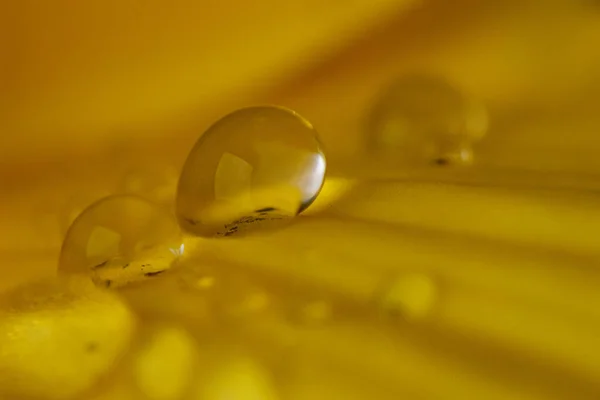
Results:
x,y
424,120
410,296
239,378
164,368
58,337
254,168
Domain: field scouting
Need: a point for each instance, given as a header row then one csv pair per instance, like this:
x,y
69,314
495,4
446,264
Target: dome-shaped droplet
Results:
x,y
121,239
426,120
254,167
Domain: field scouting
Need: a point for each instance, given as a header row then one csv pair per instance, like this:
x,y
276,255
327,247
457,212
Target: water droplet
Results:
x,y
120,239
411,296
426,120
252,169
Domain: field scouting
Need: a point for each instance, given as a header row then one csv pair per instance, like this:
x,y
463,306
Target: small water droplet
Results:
x,y
426,120
411,296
120,239
254,168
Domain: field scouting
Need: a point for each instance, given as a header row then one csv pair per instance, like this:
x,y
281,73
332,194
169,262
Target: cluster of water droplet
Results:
x,y
253,169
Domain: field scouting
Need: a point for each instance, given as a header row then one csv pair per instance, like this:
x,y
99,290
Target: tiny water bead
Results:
x,y
252,169
121,239
426,120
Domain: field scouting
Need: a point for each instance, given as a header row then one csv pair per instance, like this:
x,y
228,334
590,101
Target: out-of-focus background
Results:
x,y
91,91
91,88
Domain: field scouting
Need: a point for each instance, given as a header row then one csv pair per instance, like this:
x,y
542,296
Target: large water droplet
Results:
x,y
426,120
253,168
121,239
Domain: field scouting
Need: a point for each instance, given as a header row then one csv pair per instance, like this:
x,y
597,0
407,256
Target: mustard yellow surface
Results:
x,y
417,284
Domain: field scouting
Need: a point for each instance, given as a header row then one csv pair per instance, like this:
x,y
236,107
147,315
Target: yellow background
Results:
x,y
90,90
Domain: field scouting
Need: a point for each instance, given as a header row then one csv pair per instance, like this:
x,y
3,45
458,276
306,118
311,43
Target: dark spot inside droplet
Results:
x,y
126,265
154,273
91,347
266,209
191,221
108,283
102,264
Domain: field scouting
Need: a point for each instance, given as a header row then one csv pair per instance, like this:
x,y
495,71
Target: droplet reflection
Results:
x,y
423,120
121,239
254,168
